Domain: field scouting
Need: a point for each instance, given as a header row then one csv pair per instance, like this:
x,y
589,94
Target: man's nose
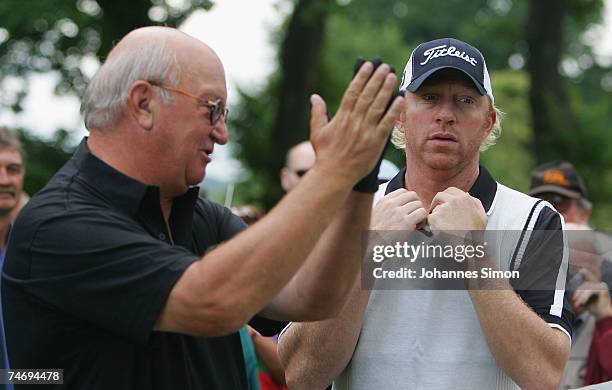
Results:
x,y
220,133
445,113
4,177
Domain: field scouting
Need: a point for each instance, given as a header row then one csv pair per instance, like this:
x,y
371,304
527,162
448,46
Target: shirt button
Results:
x,y
162,236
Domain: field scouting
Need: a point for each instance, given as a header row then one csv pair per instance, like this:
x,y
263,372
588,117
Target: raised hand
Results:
x,y
349,145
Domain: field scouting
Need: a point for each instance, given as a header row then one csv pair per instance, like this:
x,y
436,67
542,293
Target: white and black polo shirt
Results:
x,y
431,339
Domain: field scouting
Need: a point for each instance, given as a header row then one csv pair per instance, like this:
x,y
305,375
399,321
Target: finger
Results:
x,y
393,113
440,199
454,190
478,204
403,198
581,298
418,216
353,91
380,103
318,113
587,275
577,296
437,212
370,92
410,207
395,193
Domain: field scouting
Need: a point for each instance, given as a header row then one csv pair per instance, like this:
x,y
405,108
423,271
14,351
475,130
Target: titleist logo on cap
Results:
x,y
442,51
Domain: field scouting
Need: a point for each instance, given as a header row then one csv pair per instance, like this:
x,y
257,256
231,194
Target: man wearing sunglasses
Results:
x,y
118,274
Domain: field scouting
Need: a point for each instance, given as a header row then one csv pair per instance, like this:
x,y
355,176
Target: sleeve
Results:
x,y
104,269
603,343
230,224
543,264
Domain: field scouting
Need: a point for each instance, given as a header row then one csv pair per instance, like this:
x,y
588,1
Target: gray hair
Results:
x,y
10,140
107,92
398,139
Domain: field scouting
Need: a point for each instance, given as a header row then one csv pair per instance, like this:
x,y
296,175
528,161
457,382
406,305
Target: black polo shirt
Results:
x,y
88,270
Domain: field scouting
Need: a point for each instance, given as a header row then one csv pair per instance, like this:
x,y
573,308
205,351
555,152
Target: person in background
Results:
x,y
559,183
12,172
298,160
12,200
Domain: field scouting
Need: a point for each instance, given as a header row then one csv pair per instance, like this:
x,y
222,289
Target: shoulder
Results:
x,y
514,210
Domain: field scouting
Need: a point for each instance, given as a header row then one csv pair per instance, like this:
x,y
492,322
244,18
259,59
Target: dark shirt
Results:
x,y
599,361
89,267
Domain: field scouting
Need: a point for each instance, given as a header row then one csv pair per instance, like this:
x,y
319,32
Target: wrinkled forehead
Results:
x,y
449,76
9,155
200,69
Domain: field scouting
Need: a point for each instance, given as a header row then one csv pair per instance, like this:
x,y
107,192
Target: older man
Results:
x,y
114,273
489,337
12,200
12,169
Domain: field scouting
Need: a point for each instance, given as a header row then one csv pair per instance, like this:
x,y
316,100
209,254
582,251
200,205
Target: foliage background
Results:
x,y
554,90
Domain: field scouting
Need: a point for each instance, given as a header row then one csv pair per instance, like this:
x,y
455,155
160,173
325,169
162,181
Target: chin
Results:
x,y
196,179
441,161
5,210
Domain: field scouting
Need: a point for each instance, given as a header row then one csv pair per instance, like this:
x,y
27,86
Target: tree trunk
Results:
x,y
549,103
299,60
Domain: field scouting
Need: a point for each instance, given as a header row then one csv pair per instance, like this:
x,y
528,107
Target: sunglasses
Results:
x,y
216,108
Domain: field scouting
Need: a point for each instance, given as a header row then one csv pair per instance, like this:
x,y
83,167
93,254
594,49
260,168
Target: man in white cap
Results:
x,y
494,336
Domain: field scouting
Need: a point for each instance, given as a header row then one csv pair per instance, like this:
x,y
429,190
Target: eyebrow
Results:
x,y
466,87
209,95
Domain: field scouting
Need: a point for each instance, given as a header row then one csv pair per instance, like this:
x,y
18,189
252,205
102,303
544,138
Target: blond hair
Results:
x,y
398,139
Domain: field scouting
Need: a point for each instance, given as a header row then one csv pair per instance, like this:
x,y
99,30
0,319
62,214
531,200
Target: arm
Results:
x,y
221,292
319,288
315,353
524,345
531,352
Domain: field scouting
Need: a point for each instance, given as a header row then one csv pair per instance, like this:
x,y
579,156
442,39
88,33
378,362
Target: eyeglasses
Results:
x,y
216,108
560,203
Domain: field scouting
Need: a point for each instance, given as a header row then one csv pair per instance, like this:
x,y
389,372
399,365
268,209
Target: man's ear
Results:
x,y
141,102
491,118
284,178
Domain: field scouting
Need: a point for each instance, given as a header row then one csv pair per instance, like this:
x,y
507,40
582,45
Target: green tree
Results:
x,y
43,158
59,35
270,122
